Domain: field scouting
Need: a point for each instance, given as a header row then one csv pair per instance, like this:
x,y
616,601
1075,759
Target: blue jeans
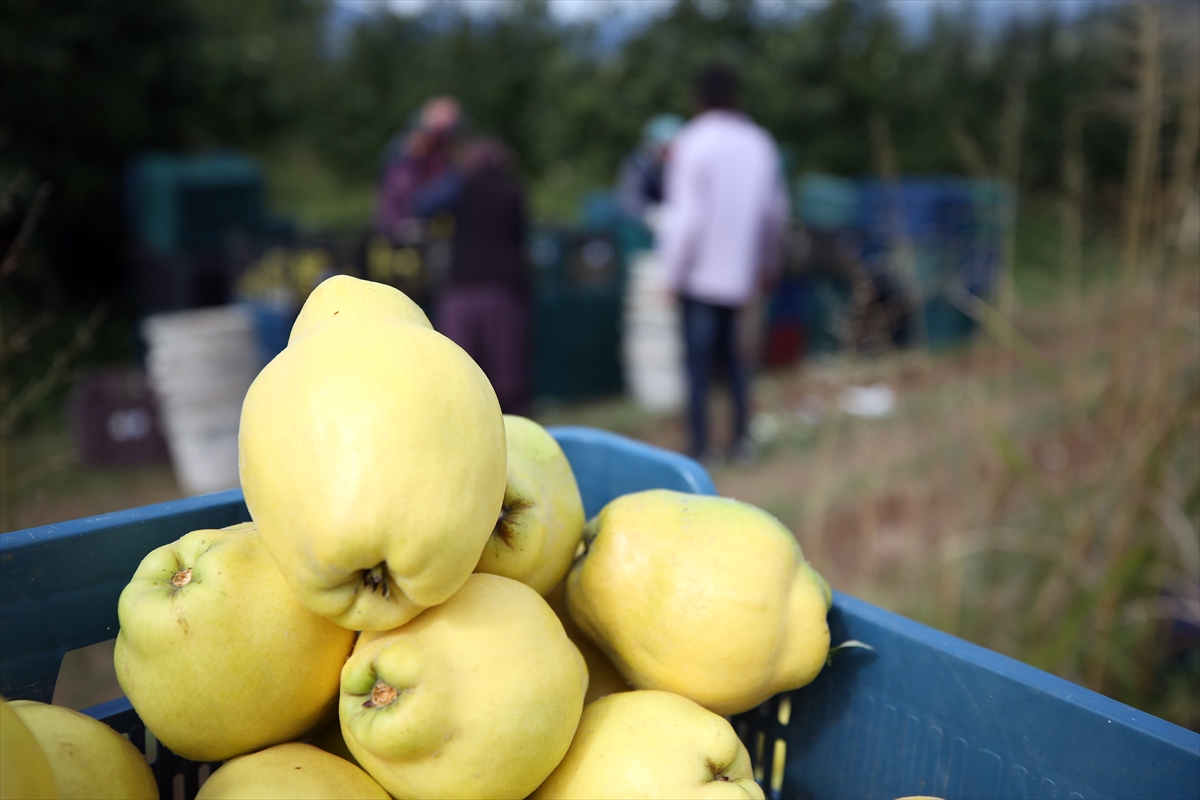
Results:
x,y
710,336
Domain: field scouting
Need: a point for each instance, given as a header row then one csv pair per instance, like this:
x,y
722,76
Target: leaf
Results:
x,y
849,644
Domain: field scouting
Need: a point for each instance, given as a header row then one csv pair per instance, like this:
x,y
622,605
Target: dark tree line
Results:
x,y
86,84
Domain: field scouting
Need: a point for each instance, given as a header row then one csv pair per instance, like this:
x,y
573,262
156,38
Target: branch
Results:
x,y
19,340
9,265
34,392
10,191
969,150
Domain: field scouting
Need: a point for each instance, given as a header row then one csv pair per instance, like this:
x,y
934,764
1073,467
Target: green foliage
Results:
x,y
80,92
87,85
305,188
503,69
813,76
90,84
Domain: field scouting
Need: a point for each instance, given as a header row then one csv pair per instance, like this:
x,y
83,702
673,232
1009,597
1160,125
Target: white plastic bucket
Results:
x,y
201,363
652,342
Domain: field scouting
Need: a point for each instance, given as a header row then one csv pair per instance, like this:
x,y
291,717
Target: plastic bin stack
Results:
x,y
919,241
652,338
201,364
936,225
813,304
182,212
579,280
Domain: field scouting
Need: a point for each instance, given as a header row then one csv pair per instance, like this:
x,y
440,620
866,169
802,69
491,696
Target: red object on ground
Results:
x,y
785,344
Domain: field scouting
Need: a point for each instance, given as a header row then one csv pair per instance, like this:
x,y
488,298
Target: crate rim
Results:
x,y
41,534
1010,669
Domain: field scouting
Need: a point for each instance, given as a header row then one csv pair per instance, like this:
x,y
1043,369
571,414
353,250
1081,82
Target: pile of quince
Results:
x,y
420,610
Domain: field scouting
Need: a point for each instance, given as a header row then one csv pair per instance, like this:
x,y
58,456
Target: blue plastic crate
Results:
x,y
919,208
273,323
925,713
957,228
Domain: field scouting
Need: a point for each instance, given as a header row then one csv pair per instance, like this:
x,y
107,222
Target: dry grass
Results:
x,y
1060,529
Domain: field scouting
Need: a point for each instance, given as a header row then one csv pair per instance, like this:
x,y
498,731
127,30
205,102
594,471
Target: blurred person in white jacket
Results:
x,y
725,208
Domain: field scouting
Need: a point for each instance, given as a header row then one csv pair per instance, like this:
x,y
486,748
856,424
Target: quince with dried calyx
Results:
x,y
372,456
478,697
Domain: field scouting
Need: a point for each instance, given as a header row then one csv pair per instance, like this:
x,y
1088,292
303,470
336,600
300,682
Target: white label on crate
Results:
x,y
128,424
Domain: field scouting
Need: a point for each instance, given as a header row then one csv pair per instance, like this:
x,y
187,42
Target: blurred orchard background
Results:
x,y
1022,469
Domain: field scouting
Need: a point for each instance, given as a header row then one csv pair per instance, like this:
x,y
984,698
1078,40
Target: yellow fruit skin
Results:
x,y
372,456
291,771
342,298
603,678
490,691
706,597
90,760
542,523
25,772
229,662
652,745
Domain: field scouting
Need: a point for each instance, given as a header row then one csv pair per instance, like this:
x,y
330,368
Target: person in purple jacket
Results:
x,y
725,208
416,160
484,305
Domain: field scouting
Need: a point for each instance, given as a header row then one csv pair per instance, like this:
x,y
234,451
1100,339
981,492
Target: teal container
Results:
x,y
826,203
993,201
940,325
945,325
598,211
831,311
923,713
633,235
578,291
180,205
577,340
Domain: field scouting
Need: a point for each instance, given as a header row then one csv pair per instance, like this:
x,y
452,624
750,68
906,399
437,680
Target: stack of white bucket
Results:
x,y
200,364
652,341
